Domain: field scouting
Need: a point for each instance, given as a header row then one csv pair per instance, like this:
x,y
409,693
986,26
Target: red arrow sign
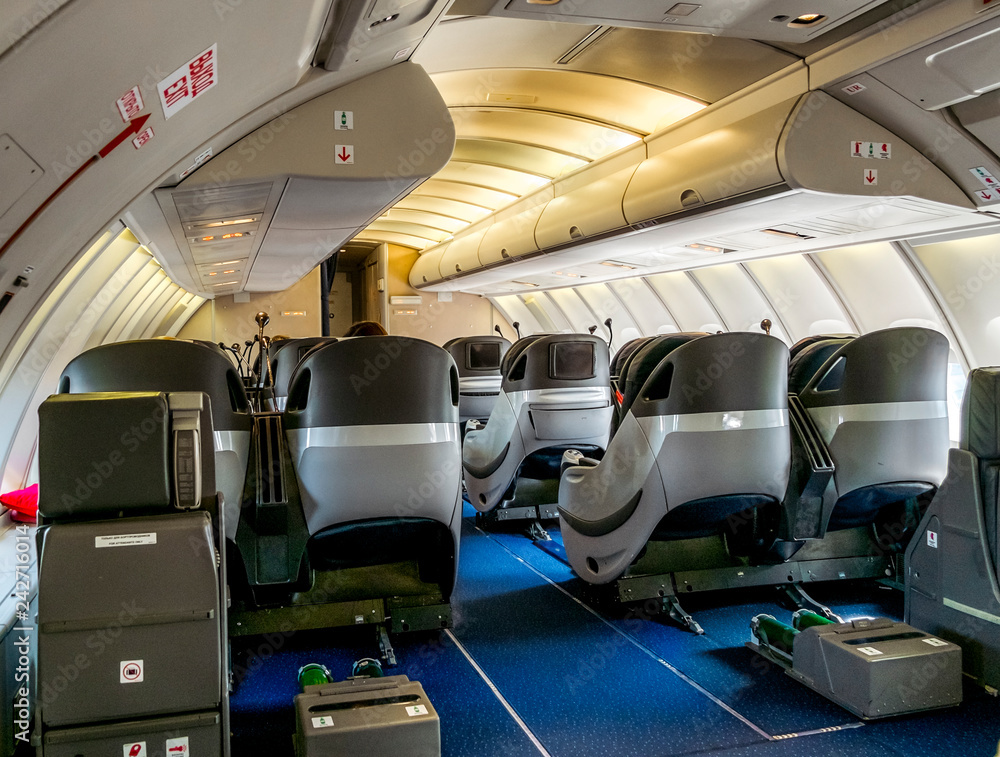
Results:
x,y
870,177
344,155
134,127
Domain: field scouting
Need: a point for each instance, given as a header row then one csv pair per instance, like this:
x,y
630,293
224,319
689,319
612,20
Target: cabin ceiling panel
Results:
x,y
625,104
698,66
461,211
535,159
571,136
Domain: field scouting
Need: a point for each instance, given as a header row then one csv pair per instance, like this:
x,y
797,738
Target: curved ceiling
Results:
x,y
575,95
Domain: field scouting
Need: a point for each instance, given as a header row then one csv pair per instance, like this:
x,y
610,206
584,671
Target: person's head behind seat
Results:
x,y
366,328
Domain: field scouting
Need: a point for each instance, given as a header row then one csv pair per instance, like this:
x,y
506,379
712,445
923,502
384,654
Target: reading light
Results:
x,y
524,283
807,19
613,264
230,222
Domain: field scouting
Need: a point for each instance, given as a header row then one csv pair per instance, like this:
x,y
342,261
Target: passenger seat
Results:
x,y
478,359
555,394
372,425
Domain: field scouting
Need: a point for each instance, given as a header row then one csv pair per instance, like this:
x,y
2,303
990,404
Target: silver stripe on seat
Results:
x,y
658,427
827,419
381,435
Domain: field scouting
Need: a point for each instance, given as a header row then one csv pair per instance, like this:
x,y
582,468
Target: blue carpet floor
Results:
x,y
531,669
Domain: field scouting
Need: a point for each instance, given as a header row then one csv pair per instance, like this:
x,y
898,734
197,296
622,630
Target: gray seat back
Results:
x,y
478,359
372,425
555,392
980,435
285,356
706,436
880,403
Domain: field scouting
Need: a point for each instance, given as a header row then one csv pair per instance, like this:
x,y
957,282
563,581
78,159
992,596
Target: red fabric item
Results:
x,y
22,503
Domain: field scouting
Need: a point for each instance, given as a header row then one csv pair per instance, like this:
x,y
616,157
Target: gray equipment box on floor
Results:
x,y
877,668
196,734
376,717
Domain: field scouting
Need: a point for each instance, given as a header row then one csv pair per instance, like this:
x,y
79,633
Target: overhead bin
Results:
x,y
587,203
298,187
807,167
512,234
462,253
427,267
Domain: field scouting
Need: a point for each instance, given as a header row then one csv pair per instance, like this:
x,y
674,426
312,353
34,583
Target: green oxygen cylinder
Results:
x,y
313,674
773,633
803,619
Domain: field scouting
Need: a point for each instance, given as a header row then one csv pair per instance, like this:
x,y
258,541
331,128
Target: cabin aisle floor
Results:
x,y
531,669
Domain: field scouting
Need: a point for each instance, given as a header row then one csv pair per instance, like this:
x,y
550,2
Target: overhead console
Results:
x,y
780,169
264,212
766,20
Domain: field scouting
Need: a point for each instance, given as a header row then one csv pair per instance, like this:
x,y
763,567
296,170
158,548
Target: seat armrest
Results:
x,y
572,457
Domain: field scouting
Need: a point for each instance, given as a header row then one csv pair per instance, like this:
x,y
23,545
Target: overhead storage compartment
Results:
x,y
512,234
732,178
283,198
462,253
722,164
427,267
588,202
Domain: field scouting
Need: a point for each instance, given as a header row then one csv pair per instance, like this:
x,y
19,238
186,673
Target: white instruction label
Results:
x,y
322,722
130,671
124,540
870,651
932,539
935,642
417,709
178,747
135,749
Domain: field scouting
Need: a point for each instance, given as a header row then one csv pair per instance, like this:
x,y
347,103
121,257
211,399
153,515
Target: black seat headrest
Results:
x,y
809,358
478,355
373,380
557,361
644,360
163,365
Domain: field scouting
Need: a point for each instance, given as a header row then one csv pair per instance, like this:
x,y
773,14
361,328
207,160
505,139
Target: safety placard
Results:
x,y
130,104
344,155
854,88
135,749
417,709
124,540
322,722
131,671
189,82
871,150
932,539
178,747
987,179
870,177
142,138
343,120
